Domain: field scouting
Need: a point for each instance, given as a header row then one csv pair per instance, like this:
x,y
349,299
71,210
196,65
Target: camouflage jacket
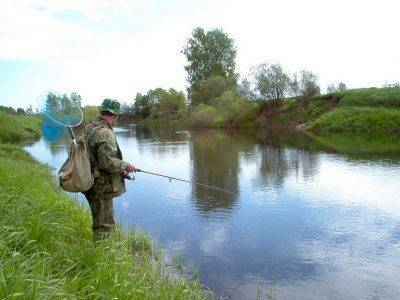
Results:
x,y
105,159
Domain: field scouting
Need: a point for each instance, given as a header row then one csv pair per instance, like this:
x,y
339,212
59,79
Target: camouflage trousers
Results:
x,y
102,214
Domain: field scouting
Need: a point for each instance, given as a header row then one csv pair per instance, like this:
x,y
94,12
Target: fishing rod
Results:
x,y
131,177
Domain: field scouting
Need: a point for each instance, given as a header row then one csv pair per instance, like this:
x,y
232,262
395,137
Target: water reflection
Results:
x,y
215,161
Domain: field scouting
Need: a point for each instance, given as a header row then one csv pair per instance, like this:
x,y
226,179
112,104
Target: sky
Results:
x,y
115,49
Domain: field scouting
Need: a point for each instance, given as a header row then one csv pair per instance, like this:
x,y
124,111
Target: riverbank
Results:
x,y
46,245
368,111
18,128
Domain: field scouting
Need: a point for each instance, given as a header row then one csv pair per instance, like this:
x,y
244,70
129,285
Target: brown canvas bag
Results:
x,y
76,174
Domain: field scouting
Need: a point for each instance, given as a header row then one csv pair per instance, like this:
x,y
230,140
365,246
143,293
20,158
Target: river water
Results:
x,y
313,217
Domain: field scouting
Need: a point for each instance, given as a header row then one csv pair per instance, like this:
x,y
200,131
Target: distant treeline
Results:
x,y
19,111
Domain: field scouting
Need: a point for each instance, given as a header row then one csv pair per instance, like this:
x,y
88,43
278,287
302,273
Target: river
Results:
x,y
312,217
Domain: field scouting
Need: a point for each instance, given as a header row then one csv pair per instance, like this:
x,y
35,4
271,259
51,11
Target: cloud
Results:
x,y
41,29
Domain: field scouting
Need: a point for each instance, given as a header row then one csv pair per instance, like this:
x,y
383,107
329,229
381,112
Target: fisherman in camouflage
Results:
x,y
107,166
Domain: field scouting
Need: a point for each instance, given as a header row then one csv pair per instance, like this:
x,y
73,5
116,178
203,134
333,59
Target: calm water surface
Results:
x,y
313,218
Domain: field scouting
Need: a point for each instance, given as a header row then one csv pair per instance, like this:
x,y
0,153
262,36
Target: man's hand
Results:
x,y
130,168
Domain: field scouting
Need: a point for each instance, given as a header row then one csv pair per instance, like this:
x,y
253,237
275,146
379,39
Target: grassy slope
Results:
x,y
16,128
363,111
46,249
373,110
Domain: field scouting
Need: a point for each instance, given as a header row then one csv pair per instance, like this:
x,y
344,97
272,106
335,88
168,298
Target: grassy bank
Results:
x,y
359,120
46,248
370,111
16,128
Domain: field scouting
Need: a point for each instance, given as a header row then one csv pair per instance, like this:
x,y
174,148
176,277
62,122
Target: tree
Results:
x,y
245,90
29,110
77,99
305,85
65,104
20,111
171,101
393,84
142,106
8,110
210,89
52,102
331,88
271,82
341,87
210,53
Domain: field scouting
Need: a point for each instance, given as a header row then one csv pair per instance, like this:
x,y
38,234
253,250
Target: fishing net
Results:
x,y
59,112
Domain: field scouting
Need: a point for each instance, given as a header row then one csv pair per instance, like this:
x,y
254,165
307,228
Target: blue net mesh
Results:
x,y
59,112
51,130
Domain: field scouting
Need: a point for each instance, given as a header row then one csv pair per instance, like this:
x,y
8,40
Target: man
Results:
x,y
107,166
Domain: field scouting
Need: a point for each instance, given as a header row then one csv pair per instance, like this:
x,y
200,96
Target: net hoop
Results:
x,y
58,122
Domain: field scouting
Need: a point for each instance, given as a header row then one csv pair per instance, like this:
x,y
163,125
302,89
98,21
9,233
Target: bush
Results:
x,y
203,116
90,113
234,111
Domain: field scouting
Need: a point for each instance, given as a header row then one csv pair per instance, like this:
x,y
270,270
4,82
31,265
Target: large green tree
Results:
x,y
211,53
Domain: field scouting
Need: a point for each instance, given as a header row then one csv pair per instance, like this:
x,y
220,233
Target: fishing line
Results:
x,y
183,180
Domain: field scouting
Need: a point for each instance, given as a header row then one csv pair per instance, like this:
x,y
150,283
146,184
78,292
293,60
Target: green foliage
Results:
x,y
210,89
210,53
46,248
159,103
271,82
305,84
374,97
143,104
20,111
359,120
8,110
16,128
234,112
203,116
341,87
90,112
168,103
56,102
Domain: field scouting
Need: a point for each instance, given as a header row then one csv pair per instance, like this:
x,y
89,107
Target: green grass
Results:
x,y
17,128
359,120
46,248
372,97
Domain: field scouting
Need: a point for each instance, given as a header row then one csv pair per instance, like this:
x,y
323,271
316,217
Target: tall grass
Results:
x,y
16,128
46,248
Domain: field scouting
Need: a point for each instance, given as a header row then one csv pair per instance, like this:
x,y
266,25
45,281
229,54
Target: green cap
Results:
x,y
111,106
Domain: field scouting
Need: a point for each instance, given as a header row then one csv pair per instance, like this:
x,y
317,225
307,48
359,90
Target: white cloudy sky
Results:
x,y
117,48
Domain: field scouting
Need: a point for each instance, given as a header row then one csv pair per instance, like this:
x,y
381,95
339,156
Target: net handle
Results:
x,y
54,120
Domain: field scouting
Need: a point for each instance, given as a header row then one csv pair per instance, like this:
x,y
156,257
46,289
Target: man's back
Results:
x,y
106,159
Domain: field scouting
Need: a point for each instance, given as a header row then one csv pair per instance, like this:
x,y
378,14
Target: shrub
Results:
x,y
234,111
90,113
203,116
